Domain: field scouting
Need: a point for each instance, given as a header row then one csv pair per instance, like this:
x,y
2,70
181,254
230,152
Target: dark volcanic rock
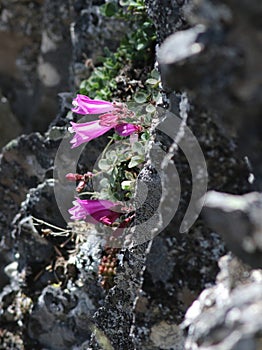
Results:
x,y
115,318
167,16
45,47
238,219
217,62
35,251
35,58
91,34
51,297
61,319
227,315
10,127
24,163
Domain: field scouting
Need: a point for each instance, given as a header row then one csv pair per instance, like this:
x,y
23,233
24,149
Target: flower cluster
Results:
x,y
113,115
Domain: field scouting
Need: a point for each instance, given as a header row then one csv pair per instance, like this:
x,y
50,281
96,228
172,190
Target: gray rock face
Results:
x,y
51,297
34,63
91,34
44,49
217,61
10,127
115,318
24,163
227,316
180,265
167,15
61,319
238,219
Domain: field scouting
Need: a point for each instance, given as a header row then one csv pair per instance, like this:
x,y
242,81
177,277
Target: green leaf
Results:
x,y
83,84
117,137
110,9
138,148
152,81
109,64
150,108
125,185
147,118
133,106
99,73
140,46
111,157
112,84
154,74
104,165
104,182
129,176
145,136
124,2
135,160
122,158
140,97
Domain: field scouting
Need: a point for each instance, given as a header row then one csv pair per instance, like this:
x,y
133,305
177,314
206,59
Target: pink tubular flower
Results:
x,y
113,116
85,132
85,105
94,211
127,129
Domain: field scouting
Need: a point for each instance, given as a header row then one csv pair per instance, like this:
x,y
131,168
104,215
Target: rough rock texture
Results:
x,y
34,61
238,219
20,173
11,129
116,316
24,163
50,294
45,47
171,18
60,319
227,315
217,61
91,34
181,264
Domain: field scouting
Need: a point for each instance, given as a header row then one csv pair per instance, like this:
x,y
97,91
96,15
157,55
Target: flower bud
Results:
x,y
71,177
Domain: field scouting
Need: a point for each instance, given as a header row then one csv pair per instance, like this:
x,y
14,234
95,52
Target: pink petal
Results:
x,y
77,212
126,129
85,132
93,205
108,119
110,218
84,105
94,211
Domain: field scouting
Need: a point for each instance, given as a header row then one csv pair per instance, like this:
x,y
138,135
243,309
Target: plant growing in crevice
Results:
x,y
134,55
126,75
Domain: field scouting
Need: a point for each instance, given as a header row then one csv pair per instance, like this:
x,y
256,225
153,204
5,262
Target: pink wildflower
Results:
x,y
85,105
113,116
94,211
85,132
127,129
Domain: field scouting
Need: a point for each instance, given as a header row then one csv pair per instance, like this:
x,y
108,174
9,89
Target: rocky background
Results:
x,y
196,290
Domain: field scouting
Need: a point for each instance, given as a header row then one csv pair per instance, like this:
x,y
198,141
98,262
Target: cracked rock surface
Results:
x,y
183,286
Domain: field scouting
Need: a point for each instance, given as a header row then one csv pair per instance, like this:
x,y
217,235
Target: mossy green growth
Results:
x,y
118,168
134,51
